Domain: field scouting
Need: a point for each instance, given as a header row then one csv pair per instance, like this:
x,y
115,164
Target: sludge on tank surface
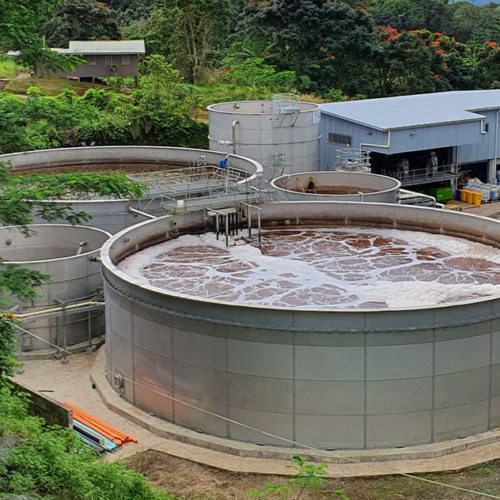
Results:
x,y
388,365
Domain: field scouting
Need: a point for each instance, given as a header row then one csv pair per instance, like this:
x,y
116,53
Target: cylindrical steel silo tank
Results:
x,y
337,186
69,255
113,215
337,377
284,136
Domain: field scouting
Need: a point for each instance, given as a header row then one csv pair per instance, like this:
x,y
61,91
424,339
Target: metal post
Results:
x,y
249,217
64,361
258,219
89,326
227,230
217,225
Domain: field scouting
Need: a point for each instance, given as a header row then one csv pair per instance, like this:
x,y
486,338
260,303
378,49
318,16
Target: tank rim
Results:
x,y
108,265
69,257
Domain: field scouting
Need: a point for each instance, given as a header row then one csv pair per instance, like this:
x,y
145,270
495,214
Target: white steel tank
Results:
x,y
282,134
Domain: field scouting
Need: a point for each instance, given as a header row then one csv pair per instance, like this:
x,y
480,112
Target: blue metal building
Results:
x,y
420,139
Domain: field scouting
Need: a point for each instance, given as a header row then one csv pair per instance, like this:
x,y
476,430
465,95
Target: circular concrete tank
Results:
x,y
69,255
330,378
251,129
337,186
114,215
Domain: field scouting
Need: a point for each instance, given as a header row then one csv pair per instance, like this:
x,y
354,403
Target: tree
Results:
x,y
409,15
326,43
81,20
186,31
20,22
256,73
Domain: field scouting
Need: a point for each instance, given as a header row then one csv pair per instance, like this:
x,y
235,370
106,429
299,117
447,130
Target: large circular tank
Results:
x,y
284,135
337,186
114,215
69,255
330,377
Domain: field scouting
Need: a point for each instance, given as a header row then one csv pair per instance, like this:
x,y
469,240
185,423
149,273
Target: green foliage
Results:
x,y
54,464
254,72
7,349
81,20
74,186
308,478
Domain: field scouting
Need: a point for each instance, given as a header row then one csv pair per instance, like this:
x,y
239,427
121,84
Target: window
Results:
x,y
125,60
339,138
486,127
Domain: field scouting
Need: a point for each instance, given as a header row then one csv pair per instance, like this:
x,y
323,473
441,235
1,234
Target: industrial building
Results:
x,y
425,139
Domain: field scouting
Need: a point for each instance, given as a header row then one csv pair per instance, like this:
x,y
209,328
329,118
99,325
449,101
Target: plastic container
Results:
x,y
477,198
457,195
470,195
463,195
493,194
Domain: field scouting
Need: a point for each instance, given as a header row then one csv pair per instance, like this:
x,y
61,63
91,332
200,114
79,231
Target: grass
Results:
x,y
48,86
8,68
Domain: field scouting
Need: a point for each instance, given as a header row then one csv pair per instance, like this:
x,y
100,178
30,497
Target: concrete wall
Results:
x,y
387,188
330,379
51,411
99,66
255,137
114,215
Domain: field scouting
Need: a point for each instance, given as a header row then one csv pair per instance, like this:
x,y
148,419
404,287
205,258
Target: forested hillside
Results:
x,y
203,51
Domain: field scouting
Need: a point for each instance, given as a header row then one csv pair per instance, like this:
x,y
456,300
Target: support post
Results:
x,y
227,230
258,219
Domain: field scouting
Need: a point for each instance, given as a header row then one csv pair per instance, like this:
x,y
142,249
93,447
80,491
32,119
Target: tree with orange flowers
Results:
x,y
81,20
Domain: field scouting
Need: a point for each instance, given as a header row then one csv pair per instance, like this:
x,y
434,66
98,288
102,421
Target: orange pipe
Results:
x,y
98,425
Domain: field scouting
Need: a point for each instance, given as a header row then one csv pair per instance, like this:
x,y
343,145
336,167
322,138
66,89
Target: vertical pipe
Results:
x,y
89,326
258,218
64,361
236,222
227,230
249,217
233,126
216,216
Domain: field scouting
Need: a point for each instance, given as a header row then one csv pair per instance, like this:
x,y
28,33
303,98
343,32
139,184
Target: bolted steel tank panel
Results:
x,y
114,215
339,378
69,255
329,186
247,128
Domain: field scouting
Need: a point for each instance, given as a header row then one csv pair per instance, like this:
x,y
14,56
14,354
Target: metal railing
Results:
x,y
423,175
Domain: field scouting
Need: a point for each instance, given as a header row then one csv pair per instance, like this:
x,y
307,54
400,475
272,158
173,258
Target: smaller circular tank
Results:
x,y
280,134
337,186
69,255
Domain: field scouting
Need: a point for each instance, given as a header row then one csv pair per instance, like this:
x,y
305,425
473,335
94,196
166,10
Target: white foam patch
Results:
x,y
323,269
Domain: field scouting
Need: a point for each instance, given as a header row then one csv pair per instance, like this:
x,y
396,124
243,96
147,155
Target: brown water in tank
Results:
x,y
321,269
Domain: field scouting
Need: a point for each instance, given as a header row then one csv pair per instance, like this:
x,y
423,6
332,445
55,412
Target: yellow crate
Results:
x,y
463,194
453,207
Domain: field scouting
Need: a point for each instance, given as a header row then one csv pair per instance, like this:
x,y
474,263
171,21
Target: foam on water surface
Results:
x,y
323,269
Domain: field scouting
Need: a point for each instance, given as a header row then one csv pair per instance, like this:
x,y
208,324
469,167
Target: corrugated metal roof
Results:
x,y
88,47
416,110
